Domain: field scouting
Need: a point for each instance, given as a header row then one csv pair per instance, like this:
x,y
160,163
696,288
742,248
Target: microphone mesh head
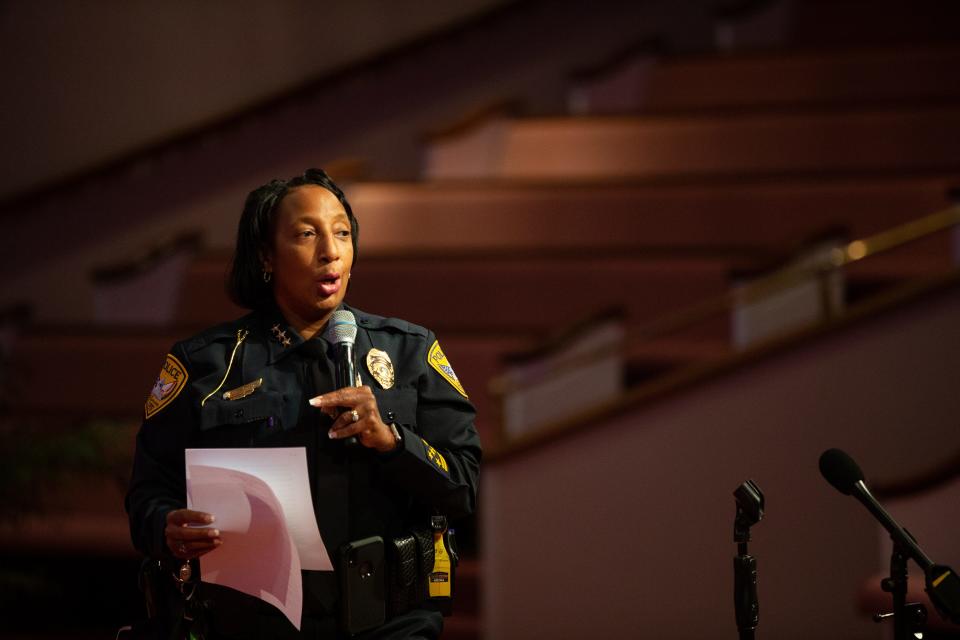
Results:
x,y
840,470
342,327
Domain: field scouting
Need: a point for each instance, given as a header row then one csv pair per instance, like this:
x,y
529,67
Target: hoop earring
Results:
x,y
267,276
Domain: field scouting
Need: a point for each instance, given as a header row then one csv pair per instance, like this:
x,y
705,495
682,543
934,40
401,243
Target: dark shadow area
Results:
x,y
67,595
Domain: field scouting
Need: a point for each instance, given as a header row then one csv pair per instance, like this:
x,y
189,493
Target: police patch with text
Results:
x,y
172,378
439,361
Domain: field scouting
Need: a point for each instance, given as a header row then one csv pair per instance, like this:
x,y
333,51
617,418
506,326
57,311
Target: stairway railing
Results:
x,y
821,271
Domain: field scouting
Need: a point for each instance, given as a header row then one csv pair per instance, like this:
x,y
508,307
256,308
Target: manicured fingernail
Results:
x,y
314,402
217,542
332,434
214,533
210,518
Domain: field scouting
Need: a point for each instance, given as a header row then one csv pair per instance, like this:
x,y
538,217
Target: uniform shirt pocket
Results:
x,y
257,407
397,405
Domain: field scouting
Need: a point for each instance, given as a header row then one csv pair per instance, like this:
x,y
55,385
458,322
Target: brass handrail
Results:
x,y
782,279
760,288
898,236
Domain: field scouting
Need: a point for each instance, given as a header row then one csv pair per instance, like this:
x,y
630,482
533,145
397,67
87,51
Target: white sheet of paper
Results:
x,y
258,556
264,511
284,470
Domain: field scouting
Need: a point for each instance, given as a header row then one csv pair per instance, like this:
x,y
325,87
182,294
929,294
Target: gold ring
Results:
x,y
354,416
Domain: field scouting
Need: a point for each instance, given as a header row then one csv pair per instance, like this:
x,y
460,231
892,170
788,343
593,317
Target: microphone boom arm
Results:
x,y
900,535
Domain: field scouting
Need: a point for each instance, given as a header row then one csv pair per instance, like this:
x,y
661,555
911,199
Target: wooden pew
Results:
x,y
648,83
857,140
538,216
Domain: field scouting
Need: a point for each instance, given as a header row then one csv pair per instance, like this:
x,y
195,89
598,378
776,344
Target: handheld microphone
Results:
x,y
942,584
342,334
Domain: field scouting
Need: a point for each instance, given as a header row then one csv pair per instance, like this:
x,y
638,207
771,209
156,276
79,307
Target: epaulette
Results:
x,y
375,322
225,331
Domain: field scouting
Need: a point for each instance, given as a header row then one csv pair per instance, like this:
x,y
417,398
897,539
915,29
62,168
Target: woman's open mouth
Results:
x,y
329,284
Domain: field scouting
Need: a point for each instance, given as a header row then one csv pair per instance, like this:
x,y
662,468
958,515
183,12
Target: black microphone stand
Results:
x,y
749,512
941,582
908,618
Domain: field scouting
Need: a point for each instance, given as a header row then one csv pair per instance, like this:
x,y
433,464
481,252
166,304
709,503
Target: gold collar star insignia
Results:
x,y
280,335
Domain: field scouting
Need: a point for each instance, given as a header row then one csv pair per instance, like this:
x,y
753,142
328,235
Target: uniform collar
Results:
x,y
282,339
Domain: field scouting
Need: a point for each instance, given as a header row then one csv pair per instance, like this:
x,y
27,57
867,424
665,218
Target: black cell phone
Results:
x,y
363,585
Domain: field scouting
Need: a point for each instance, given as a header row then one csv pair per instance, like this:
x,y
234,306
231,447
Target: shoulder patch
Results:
x,y
439,362
172,378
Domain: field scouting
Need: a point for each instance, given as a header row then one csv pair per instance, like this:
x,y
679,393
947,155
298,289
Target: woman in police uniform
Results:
x,y
266,380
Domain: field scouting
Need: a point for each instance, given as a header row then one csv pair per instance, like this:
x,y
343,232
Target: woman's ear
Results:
x,y
266,261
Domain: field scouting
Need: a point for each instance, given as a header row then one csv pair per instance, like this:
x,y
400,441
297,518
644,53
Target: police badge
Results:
x,y
380,367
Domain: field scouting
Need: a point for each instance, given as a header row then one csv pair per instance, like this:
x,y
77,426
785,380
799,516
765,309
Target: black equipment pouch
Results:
x,y
404,571
410,558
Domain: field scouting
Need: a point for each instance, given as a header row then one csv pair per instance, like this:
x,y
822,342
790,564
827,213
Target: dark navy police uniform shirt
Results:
x,y
357,492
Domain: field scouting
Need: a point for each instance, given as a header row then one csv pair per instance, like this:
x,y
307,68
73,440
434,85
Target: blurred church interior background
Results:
x,y
667,246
